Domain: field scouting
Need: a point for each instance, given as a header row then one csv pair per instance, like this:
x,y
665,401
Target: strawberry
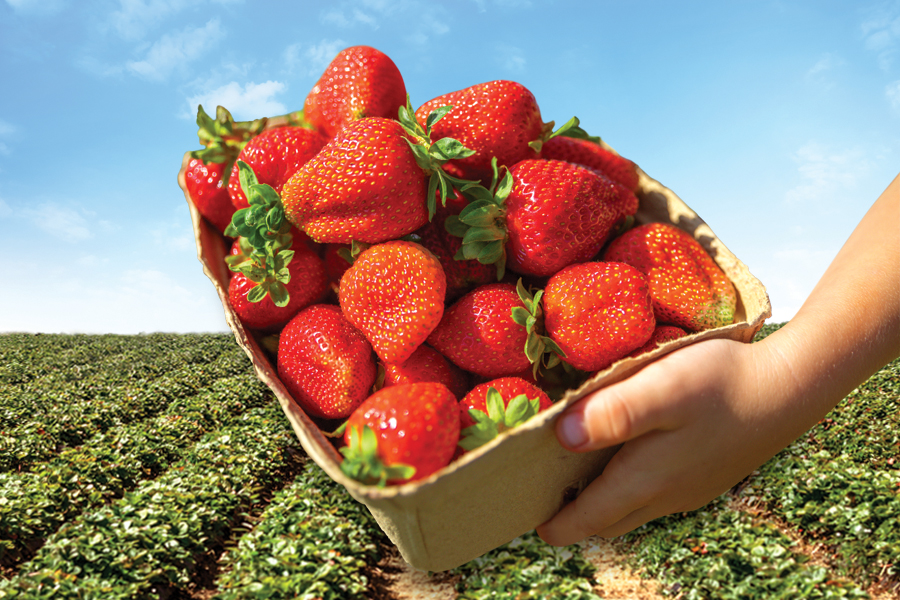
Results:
x,y
687,287
307,284
661,335
375,181
401,433
359,82
326,364
492,407
591,154
394,294
209,192
598,312
275,155
478,333
495,119
207,172
427,364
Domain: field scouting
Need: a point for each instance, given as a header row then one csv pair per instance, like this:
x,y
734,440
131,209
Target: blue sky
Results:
x,y
777,121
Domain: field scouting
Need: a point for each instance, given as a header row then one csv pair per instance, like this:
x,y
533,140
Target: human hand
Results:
x,y
693,424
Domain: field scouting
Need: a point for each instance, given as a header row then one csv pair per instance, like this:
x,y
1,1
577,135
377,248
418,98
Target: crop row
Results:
x,y
37,426
26,357
36,503
153,541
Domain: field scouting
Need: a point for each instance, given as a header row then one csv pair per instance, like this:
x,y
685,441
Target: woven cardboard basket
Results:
x,y
481,501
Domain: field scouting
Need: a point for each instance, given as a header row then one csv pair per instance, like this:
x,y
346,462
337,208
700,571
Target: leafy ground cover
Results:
x,y
198,489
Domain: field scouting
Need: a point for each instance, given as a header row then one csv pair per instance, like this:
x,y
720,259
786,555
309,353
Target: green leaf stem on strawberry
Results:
x,y
267,239
223,138
540,349
361,461
482,224
496,406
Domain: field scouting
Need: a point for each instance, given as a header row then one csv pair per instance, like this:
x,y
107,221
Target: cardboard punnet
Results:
x,y
517,481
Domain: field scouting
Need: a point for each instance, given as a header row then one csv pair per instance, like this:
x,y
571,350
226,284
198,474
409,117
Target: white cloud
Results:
x,y
881,31
39,8
892,91
245,103
134,17
510,58
173,51
63,222
826,174
348,17
312,60
825,65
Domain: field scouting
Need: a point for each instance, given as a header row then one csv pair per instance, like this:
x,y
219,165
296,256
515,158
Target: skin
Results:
x,y
698,421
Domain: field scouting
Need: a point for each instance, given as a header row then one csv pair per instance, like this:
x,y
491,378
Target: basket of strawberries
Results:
x,y
426,289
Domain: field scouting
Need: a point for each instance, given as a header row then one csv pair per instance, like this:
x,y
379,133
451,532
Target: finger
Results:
x,y
625,410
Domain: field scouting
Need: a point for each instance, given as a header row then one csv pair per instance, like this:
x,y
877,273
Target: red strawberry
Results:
x,y
498,405
478,332
307,284
688,288
427,364
209,193
275,155
598,312
206,175
495,119
661,335
401,433
394,294
558,214
326,364
591,154
359,82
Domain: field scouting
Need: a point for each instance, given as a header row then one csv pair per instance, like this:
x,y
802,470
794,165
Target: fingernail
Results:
x,y
572,431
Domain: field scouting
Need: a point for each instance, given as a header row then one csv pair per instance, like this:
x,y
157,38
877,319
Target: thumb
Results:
x,y
613,415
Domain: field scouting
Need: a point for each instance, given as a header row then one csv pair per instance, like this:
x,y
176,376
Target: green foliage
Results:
x,y
527,568
312,541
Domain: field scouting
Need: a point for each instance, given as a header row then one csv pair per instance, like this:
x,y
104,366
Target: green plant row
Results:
x,y
725,554
839,485
147,544
312,541
34,504
527,568
56,419
27,357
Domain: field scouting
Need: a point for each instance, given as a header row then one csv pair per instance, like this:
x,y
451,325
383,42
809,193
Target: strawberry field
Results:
x,y
158,466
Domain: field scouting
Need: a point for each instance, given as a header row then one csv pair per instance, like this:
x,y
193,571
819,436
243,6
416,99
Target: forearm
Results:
x,y
849,327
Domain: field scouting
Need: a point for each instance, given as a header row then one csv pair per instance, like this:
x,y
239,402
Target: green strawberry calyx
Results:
x,y
362,463
498,418
430,156
482,223
264,240
540,349
223,138
570,128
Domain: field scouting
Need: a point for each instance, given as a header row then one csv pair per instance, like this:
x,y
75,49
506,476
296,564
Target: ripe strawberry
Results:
x,y
375,181
275,155
588,153
359,82
661,335
427,364
209,193
491,408
559,214
495,119
687,287
307,284
401,433
478,332
598,312
326,364
394,294
206,175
